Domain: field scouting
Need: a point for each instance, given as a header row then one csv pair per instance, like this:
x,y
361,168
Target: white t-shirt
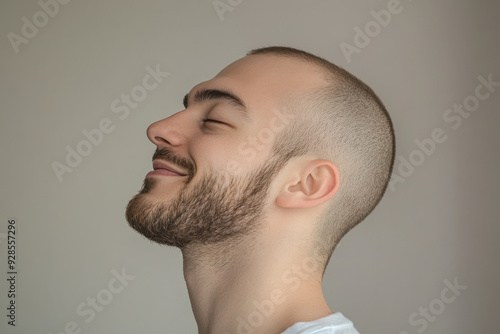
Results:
x,y
334,323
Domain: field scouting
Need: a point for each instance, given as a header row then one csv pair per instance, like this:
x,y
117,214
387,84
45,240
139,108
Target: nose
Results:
x,y
170,131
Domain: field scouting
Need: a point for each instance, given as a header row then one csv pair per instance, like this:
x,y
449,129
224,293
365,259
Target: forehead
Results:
x,y
263,81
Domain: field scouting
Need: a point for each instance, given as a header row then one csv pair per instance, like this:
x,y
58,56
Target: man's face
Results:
x,y
227,167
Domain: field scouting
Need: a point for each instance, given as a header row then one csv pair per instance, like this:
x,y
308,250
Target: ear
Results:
x,y
314,185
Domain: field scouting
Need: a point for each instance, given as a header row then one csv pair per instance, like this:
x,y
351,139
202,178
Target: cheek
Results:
x,y
246,155
213,152
235,154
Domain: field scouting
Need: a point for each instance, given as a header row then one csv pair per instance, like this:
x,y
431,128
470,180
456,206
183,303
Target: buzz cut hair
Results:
x,y
346,123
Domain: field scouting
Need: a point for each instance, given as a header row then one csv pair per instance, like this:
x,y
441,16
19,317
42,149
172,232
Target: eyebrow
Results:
x,y
218,94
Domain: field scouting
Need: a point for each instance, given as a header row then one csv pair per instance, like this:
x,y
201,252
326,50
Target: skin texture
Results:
x,y
244,224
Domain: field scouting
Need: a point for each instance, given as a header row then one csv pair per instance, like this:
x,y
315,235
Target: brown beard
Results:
x,y
218,208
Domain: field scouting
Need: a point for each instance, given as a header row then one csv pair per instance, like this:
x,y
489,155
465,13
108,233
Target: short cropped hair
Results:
x,y
344,122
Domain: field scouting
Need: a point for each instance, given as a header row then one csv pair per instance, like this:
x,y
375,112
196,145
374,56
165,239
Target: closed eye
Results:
x,y
213,121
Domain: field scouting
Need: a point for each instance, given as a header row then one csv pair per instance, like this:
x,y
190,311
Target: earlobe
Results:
x,y
315,184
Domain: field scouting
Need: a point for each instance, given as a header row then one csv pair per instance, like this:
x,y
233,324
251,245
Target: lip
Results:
x,y
163,168
163,172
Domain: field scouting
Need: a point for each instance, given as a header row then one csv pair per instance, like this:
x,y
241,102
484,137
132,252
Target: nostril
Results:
x,y
162,140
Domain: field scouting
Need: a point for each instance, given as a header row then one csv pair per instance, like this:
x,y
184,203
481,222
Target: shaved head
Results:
x,y
344,122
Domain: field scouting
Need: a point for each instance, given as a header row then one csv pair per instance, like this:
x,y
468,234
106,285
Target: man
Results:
x,y
268,166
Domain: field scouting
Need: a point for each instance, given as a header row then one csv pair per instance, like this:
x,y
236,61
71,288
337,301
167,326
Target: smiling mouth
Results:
x,y
163,168
164,172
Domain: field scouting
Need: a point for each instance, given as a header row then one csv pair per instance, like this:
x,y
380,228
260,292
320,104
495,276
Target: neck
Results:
x,y
249,284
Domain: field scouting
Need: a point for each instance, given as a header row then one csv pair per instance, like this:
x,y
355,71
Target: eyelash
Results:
x,y
212,120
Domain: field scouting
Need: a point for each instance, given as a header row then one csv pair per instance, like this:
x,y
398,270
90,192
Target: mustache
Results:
x,y
169,156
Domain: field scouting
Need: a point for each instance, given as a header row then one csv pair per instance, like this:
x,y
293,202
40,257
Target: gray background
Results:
x,y
440,224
